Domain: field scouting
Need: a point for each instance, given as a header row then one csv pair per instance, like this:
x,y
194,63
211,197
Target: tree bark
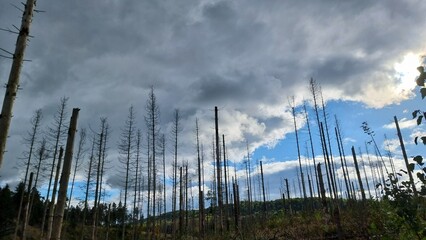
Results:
x,y
15,72
66,170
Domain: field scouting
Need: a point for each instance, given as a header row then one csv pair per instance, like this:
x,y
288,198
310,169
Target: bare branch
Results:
x,y
8,30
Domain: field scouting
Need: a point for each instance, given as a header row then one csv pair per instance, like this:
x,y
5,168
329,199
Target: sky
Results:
x,y
248,58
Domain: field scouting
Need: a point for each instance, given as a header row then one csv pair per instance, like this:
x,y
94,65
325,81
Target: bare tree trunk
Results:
x,y
163,146
365,172
79,155
321,182
348,190
137,176
98,177
41,156
87,188
126,149
263,188
404,154
332,174
219,182
312,149
226,184
26,207
358,175
15,72
298,148
180,202
200,191
54,191
236,203
35,121
175,131
56,133
66,170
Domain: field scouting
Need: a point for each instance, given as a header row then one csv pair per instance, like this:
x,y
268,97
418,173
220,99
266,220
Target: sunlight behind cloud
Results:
x,y
406,71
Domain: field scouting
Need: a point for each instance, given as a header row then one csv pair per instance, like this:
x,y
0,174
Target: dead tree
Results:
x,y
340,140
136,189
401,142
66,170
54,192
312,148
358,175
15,72
218,175
152,119
176,128
226,184
100,149
200,191
56,134
26,208
32,137
345,175
163,153
86,198
42,156
332,174
263,187
293,113
126,150
313,86
79,155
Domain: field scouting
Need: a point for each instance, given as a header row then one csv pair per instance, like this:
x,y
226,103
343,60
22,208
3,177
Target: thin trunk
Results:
x,y
200,191
401,142
180,202
33,137
263,188
163,140
226,184
358,174
98,176
322,189
175,132
348,190
80,151
330,153
218,175
365,172
298,149
87,188
59,121
52,203
26,207
41,156
328,165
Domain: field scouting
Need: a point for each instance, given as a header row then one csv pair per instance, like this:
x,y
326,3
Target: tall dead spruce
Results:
x,y
15,72
66,170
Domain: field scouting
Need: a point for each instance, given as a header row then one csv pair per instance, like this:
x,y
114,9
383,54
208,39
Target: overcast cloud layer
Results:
x,y
246,57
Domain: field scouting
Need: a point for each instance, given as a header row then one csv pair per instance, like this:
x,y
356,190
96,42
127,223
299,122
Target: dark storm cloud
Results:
x,y
245,56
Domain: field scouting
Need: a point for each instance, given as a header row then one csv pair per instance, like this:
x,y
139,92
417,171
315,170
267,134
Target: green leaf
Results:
x,y
411,167
415,113
419,120
419,160
423,139
421,176
423,92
